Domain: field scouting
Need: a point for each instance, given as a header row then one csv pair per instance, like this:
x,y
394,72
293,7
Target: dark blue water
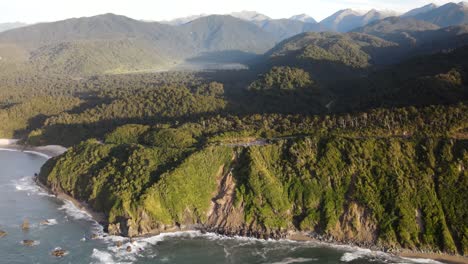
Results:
x,y
72,229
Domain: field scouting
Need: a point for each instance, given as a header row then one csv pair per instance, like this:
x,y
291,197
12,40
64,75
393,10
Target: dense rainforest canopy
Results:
x,y
354,137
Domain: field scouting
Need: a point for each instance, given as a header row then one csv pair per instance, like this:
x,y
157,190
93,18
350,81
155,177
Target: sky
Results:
x,y
32,11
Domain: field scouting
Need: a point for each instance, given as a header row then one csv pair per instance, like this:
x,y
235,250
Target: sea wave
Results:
x,y
361,253
78,214
27,151
27,184
38,154
351,253
49,222
11,150
294,260
104,258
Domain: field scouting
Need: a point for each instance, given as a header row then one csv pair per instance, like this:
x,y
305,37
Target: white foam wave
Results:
x,y
27,151
139,245
37,153
11,150
360,253
49,222
351,253
27,184
294,260
76,213
104,257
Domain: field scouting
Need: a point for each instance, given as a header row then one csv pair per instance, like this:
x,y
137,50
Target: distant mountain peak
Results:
x,y
183,20
342,13
303,18
380,14
250,15
12,25
420,10
349,19
446,15
350,11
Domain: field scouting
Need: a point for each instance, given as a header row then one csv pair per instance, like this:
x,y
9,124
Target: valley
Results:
x,y
351,130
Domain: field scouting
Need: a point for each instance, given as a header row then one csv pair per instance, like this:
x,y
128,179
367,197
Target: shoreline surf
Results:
x,y
53,151
48,151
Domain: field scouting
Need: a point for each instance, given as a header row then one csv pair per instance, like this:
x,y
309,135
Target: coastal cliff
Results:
x,y
391,193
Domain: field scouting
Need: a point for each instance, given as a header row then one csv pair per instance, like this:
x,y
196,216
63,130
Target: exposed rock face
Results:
x,y
143,226
228,218
356,224
224,217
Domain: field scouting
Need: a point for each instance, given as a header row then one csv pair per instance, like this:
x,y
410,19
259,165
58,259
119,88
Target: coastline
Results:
x,y
51,151
295,236
451,259
402,253
96,216
48,151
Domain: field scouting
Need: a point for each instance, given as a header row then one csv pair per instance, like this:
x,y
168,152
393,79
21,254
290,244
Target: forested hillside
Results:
x,y
114,44
352,178
357,137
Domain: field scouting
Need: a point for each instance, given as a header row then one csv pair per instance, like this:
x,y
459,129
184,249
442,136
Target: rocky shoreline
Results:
x,y
300,236
53,151
292,235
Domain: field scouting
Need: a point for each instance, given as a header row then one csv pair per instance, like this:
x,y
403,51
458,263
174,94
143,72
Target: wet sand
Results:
x,y
45,151
439,257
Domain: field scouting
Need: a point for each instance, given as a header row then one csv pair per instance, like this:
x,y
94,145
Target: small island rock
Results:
x,y
29,243
25,225
58,252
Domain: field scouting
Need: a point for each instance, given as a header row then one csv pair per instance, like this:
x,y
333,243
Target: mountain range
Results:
x,y
113,44
8,26
349,19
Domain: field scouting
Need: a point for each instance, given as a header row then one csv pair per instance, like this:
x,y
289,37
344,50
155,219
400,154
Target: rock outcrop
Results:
x,y
25,225
59,252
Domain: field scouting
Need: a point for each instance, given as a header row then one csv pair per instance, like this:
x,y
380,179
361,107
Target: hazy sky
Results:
x,y
31,11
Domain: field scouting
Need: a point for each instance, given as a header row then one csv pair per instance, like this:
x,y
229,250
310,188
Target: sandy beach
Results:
x,y
439,257
445,258
49,151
